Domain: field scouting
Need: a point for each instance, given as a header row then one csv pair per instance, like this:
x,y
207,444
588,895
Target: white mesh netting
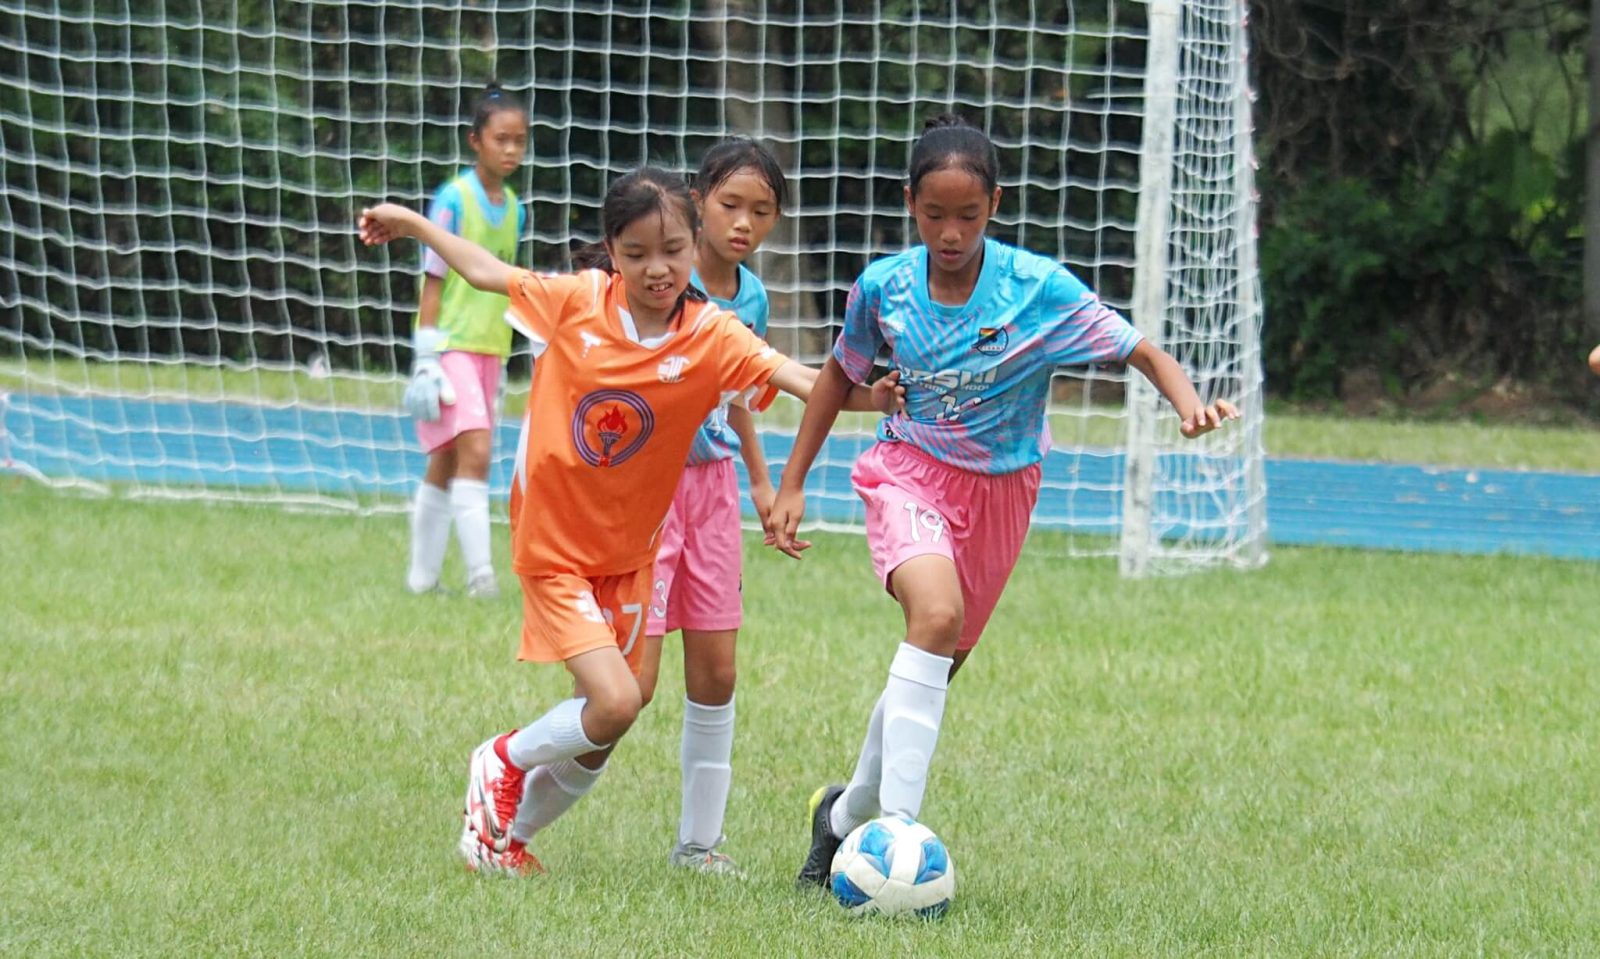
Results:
x,y
185,311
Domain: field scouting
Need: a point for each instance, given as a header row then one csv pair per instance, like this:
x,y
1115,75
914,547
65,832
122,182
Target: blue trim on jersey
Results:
x,y
448,197
977,376
716,440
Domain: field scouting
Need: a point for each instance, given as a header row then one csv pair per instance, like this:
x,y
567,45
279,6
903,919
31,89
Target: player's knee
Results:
x,y
441,468
720,683
940,621
472,467
472,454
611,712
647,690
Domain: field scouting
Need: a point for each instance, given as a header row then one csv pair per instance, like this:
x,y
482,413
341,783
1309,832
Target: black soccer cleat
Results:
x,y
818,867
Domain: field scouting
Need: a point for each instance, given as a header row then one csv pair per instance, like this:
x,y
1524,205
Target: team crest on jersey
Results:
x,y
992,340
610,426
671,368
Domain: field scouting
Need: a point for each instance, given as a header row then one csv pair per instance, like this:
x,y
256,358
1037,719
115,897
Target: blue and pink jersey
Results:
x,y
716,439
977,376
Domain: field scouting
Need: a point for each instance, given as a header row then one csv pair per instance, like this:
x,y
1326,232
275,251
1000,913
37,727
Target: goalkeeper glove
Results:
x,y
429,387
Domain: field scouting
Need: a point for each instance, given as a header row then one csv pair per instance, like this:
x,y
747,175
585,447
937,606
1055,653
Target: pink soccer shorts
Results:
x,y
476,378
700,563
918,506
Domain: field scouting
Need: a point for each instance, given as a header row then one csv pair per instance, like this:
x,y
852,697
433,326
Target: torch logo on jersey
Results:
x,y
610,426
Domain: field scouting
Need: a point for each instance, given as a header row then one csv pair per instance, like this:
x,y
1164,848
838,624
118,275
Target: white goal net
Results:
x,y
185,310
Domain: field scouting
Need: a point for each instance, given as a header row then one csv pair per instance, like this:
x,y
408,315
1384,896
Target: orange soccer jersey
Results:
x,y
610,420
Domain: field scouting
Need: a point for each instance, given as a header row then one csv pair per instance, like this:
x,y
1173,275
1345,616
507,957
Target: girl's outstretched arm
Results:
x,y
755,462
822,408
886,396
1163,371
390,221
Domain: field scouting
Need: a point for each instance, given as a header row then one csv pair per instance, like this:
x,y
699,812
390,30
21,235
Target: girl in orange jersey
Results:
x,y
630,361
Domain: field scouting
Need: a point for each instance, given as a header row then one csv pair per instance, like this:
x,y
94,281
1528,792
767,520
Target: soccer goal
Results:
x,y
187,312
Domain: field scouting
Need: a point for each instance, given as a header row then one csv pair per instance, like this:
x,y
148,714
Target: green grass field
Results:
x,y
229,732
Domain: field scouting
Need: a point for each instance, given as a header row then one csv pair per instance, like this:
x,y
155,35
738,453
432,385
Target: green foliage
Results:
x,y
1453,269
1422,180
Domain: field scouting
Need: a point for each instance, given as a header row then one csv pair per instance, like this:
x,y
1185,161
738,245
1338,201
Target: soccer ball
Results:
x,y
893,866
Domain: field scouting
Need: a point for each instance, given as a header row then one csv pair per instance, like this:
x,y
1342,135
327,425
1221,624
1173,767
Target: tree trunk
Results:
x,y
1591,203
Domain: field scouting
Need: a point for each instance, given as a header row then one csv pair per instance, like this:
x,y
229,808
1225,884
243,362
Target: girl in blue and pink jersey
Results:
x,y
974,328
739,191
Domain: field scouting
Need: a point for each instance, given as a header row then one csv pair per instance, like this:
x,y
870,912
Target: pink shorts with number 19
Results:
x,y
918,506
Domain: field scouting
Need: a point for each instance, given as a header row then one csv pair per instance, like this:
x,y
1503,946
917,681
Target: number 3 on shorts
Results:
x,y
923,519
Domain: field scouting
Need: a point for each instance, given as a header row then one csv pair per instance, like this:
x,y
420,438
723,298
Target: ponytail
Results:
x,y
592,256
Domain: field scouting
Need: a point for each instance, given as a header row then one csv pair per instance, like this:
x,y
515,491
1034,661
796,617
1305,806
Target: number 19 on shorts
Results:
x,y
924,520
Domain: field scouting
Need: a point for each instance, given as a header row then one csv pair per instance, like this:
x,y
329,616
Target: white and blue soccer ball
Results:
x,y
893,866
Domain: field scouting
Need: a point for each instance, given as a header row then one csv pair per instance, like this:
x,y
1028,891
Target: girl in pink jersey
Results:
x,y
460,345
630,361
975,329
740,192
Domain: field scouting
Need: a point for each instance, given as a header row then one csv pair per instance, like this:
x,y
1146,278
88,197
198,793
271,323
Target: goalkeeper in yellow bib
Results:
x,y
461,342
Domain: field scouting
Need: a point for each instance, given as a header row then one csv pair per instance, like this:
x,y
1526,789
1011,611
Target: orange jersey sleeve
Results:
x,y
541,301
744,361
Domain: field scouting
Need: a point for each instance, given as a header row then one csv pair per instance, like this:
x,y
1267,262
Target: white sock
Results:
x,y
859,802
555,736
430,534
707,759
549,791
469,503
913,705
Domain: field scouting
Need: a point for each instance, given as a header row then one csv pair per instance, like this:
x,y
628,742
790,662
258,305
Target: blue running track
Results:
x,y
362,454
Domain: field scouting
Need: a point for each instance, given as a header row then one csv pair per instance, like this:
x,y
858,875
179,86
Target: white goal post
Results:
x,y
185,310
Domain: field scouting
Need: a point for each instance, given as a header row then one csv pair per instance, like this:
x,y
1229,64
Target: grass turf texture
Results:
x,y
1289,432
229,732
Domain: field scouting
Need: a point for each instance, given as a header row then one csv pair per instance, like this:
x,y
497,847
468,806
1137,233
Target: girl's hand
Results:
x,y
761,497
1207,418
383,223
888,396
1594,361
784,521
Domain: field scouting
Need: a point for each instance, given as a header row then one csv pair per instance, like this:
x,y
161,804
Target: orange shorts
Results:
x,y
564,614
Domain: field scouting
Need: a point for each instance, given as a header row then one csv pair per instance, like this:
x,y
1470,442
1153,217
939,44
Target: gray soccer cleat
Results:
x,y
710,862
